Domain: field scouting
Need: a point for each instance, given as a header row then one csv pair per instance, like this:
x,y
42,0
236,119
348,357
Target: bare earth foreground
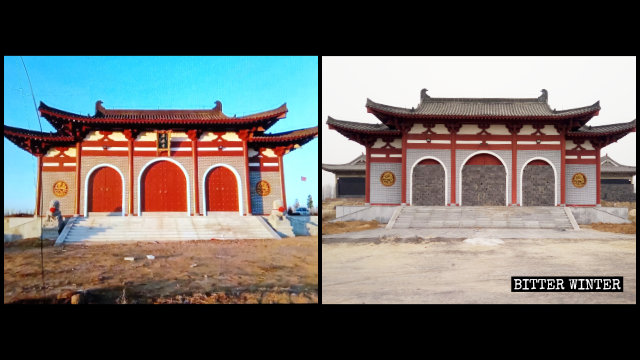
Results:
x,y
229,271
452,271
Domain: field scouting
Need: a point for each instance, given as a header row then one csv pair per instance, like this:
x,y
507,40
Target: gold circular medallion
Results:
x,y
387,178
263,188
60,188
579,180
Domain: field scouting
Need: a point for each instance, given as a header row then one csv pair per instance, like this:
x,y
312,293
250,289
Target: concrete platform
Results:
x,y
413,235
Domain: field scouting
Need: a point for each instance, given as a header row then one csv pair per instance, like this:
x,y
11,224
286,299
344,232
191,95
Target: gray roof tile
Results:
x,y
483,107
605,129
362,127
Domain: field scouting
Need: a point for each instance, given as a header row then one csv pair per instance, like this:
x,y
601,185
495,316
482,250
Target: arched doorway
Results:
x,y
222,190
163,187
538,184
428,183
483,181
104,190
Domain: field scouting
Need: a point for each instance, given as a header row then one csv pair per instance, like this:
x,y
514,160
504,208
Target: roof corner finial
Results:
x,y
218,107
544,95
423,95
99,107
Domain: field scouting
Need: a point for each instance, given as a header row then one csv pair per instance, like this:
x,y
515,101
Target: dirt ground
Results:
x,y
329,206
615,228
451,271
228,271
340,227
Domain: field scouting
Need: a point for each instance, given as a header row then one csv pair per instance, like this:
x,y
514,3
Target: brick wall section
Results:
x,y
483,185
236,162
617,192
537,186
414,155
67,201
140,161
381,194
263,204
461,155
585,195
553,156
89,162
428,185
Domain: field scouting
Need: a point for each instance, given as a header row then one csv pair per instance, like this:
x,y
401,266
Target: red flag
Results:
x,y
303,178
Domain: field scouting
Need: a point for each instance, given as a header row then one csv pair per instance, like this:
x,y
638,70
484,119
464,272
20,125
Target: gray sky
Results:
x,y
572,82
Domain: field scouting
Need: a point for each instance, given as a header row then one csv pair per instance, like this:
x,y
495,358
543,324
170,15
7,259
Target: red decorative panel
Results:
x,y
164,188
222,190
483,159
105,191
428,162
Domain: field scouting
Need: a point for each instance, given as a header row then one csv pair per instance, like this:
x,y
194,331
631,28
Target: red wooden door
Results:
x,y
164,188
222,190
105,191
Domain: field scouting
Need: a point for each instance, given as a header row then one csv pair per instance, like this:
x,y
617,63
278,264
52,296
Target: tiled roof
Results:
x,y
10,131
213,116
617,169
482,108
354,168
356,165
362,127
287,136
604,129
612,166
36,142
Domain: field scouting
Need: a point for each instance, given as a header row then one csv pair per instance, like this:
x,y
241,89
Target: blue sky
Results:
x,y
244,85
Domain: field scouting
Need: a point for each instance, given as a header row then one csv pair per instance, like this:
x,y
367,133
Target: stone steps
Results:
x,y
146,228
536,217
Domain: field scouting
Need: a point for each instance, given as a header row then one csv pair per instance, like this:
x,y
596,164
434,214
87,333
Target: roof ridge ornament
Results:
x,y
218,107
99,108
544,97
423,95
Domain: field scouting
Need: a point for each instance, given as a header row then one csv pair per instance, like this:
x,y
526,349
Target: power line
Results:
x,y
44,288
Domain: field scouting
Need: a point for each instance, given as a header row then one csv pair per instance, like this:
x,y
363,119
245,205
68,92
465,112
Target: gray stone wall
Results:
x,y
537,186
585,195
505,155
415,155
380,194
483,185
553,156
617,192
428,185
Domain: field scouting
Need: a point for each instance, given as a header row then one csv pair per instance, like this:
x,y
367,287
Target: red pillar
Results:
x,y
194,135
598,175
404,168
245,151
563,154
367,200
453,168
514,169
131,136
39,186
130,177
281,167
78,162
